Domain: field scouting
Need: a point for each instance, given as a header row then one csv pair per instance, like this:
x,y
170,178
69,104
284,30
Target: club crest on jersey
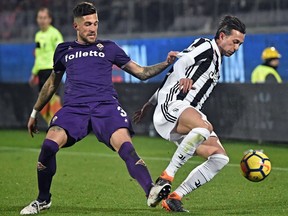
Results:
x,y
100,46
214,76
80,54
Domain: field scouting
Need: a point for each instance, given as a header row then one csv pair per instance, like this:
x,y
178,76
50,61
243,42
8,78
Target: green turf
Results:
x,y
92,180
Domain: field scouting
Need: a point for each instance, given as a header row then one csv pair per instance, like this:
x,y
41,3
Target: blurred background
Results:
x,y
138,18
147,30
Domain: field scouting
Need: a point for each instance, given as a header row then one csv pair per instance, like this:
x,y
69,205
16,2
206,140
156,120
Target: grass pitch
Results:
x,y
93,180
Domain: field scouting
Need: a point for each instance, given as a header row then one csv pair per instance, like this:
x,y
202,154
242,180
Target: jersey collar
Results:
x,y
215,47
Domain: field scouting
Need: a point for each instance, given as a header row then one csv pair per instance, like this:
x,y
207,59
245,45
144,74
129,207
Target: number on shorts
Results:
x,y
122,112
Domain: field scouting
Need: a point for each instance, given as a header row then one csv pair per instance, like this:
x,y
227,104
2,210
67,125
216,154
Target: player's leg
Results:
x,y
122,143
112,126
65,122
190,123
216,157
197,129
46,168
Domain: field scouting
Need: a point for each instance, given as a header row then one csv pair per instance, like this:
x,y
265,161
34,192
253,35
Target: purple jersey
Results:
x,y
89,70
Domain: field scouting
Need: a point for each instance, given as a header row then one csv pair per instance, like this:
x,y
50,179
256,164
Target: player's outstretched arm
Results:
x,y
146,72
47,91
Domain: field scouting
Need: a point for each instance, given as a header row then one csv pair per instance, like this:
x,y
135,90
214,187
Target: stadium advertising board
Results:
x,y
236,69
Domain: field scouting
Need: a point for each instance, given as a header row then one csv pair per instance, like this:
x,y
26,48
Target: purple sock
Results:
x,y
136,166
46,168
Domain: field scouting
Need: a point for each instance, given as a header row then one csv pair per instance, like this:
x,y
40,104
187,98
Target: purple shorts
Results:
x,y
103,118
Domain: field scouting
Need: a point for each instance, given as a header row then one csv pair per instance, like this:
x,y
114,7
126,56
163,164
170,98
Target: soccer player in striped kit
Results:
x,y
178,118
90,103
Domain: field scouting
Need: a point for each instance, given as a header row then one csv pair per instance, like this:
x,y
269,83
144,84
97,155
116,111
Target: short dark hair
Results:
x,y
83,9
229,23
45,9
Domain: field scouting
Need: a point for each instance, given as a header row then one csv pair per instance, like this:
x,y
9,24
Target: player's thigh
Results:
x,y
69,125
191,118
165,119
111,125
119,137
209,147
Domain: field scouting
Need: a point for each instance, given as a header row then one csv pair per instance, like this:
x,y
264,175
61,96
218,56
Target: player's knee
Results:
x,y
49,146
204,132
127,152
58,135
208,126
220,160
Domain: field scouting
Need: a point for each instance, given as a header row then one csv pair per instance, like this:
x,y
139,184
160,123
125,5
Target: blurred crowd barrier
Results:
x,y
138,18
237,111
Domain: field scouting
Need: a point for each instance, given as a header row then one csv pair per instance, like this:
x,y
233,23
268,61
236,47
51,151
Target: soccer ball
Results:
x,y
255,166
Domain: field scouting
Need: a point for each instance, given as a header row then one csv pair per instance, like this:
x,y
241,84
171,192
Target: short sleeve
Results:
x,y
57,60
121,58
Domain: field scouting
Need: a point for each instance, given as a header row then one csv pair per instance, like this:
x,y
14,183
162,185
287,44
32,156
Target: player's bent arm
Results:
x,y
182,64
187,59
48,89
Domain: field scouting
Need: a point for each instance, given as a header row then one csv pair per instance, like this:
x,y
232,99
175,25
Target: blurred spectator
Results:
x,y
138,16
267,71
46,40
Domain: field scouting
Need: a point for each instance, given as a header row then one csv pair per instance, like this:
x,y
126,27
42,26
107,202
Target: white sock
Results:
x,y
186,149
202,174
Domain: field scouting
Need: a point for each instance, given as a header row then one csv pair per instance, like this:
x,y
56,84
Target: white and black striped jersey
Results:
x,y
201,62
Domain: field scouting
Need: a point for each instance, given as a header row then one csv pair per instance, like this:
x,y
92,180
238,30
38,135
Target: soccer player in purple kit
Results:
x,y
90,103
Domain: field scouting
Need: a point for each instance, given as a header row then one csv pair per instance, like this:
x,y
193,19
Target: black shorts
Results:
x,y
43,75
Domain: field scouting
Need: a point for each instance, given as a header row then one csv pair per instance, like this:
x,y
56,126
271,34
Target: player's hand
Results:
x,y
172,55
186,84
32,126
140,114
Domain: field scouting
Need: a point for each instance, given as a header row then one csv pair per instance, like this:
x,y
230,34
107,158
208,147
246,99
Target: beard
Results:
x,y
87,40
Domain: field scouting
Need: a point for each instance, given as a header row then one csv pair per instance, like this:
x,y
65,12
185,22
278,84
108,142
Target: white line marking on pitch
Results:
x,y
63,152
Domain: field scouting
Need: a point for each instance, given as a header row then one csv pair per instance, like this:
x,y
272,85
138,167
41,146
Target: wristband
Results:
x,y
34,113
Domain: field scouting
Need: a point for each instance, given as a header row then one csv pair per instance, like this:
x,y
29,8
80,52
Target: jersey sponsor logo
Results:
x,y
80,54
